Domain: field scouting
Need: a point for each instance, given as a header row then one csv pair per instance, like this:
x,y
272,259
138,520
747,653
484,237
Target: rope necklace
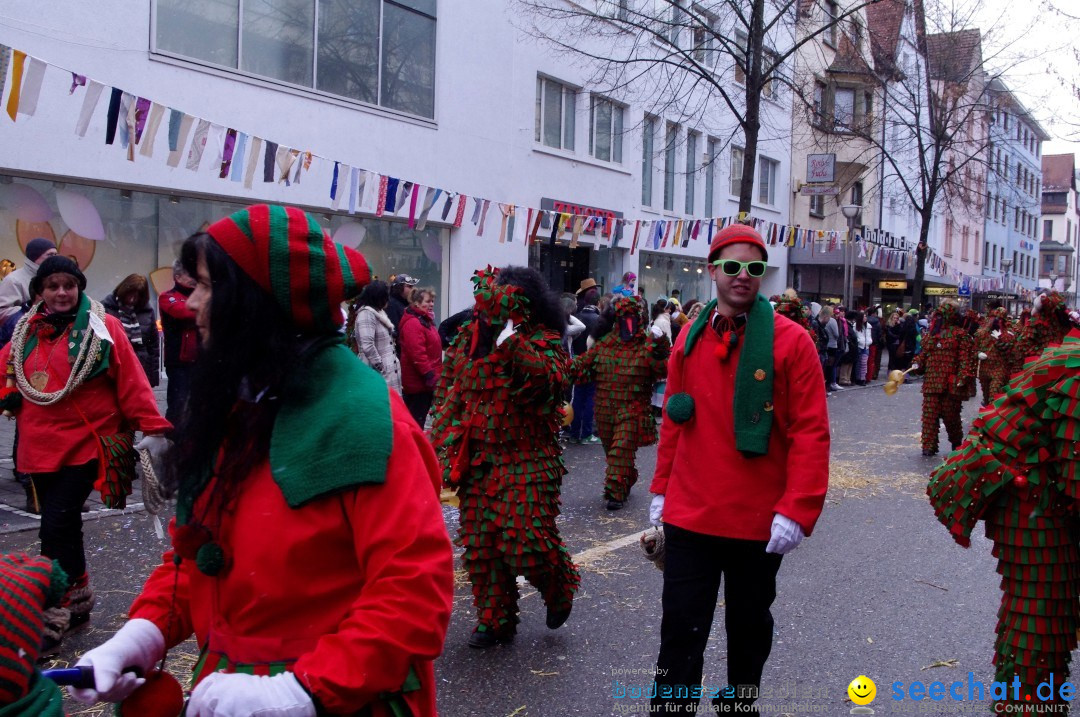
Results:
x,y
81,368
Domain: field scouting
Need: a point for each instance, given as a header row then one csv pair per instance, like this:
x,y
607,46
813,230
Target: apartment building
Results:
x,y
1060,236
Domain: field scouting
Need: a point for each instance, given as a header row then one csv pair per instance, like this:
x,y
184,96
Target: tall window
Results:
x,y
978,241
819,104
691,170
736,170
767,173
817,205
677,20
710,177
704,36
768,90
605,129
555,113
670,140
964,244
375,51
648,134
832,12
741,45
948,237
843,108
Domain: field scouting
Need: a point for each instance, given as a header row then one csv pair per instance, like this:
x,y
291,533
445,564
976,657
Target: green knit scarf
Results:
x,y
753,404
43,700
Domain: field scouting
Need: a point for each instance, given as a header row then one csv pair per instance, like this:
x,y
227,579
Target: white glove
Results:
x,y
996,334
505,333
1074,316
237,695
982,355
656,510
656,332
157,445
786,535
139,643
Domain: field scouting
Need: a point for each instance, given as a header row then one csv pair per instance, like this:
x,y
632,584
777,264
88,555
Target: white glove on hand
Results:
x,y
139,643
996,334
236,695
505,333
656,511
786,535
982,355
656,332
157,445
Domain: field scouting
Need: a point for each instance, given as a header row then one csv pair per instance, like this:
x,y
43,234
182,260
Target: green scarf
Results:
x,y
79,333
43,700
753,404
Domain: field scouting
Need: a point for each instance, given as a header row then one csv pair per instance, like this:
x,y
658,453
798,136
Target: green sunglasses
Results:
x,y
734,268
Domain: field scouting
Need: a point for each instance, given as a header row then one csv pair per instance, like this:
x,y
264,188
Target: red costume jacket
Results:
x,y
350,591
421,352
710,486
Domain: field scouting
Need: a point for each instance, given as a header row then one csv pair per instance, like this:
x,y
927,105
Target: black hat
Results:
x,y
57,264
36,247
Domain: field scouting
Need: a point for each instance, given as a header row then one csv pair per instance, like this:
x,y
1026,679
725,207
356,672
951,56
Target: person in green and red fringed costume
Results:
x,y
947,360
309,556
496,432
1018,470
1048,325
625,364
791,306
994,342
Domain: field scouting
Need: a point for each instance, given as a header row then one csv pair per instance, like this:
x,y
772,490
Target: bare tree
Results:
x,y
679,56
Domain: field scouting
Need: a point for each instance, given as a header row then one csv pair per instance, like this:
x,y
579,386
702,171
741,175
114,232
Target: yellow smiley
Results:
x,y
862,690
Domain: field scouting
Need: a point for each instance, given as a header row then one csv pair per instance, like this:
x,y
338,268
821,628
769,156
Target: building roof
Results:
x,y
884,21
847,60
999,89
1059,172
954,56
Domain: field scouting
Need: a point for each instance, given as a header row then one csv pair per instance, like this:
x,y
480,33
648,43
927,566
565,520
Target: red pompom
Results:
x,y
1020,481
160,696
187,539
721,351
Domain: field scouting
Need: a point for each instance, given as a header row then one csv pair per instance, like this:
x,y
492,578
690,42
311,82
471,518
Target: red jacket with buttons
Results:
x,y
710,487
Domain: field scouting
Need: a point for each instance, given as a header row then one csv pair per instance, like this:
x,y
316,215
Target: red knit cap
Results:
x,y
29,585
287,253
737,234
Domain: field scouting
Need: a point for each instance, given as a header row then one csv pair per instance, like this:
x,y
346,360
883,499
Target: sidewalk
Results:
x,y
14,519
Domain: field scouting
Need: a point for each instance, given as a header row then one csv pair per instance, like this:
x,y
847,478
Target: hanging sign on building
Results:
x,y
893,285
814,189
820,168
582,210
940,291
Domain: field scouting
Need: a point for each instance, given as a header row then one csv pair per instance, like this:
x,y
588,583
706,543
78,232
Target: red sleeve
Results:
x,y
174,304
807,422
402,614
157,603
133,391
669,430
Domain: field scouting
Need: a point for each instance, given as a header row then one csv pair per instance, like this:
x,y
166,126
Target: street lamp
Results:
x,y
1053,281
1006,264
850,212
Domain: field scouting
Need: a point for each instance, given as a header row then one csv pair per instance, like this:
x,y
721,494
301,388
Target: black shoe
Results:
x,y
556,618
482,640
615,504
929,453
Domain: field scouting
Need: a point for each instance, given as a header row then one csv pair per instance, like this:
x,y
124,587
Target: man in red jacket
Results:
x,y
181,341
741,475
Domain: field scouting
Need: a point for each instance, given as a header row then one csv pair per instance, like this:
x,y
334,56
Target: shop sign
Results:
x,y
814,189
940,291
893,285
565,207
820,168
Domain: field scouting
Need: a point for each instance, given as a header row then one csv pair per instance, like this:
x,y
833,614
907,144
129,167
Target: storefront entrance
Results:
x,y
565,268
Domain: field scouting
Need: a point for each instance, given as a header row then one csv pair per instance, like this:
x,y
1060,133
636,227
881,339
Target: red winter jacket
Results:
x,y
421,352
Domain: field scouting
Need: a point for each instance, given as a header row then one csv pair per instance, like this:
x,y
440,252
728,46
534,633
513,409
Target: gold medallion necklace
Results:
x,y
40,379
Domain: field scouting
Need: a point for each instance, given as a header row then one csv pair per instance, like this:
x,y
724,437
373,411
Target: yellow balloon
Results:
x,y
568,414
891,387
896,375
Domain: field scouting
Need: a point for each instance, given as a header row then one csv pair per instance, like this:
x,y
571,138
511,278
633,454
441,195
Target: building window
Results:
x,y
986,256
819,104
710,177
704,33
1061,266
843,108
948,237
767,173
648,133
691,170
978,241
605,129
677,20
381,52
964,244
741,56
1047,263
736,170
817,205
832,12
768,90
555,113
670,141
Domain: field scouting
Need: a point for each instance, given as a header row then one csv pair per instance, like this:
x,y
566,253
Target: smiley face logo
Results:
x,y
862,690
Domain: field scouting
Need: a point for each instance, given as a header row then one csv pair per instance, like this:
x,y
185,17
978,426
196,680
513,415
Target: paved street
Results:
x,y
879,589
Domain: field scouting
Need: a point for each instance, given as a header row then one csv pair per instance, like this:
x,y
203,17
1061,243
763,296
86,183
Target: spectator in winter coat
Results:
x,y
374,333
15,288
400,288
421,354
181,340
581,428
130,302
877,343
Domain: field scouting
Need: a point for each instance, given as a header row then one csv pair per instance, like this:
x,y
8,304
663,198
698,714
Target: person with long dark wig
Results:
x,y
79,393
130,302
309,554
496,429
373,333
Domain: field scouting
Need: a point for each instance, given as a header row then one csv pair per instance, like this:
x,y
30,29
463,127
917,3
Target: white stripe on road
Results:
x,y
599,551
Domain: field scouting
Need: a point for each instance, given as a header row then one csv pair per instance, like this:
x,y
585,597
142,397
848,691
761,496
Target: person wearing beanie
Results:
x,y
496,431
625,363
79,393
309,556
15,287
741,475
30,586
181,340
947,361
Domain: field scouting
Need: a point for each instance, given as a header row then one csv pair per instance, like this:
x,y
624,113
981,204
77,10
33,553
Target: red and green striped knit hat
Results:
x,y
287,253
27,587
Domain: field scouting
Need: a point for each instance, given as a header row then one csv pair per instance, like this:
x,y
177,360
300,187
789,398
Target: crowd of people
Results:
x,y
341,427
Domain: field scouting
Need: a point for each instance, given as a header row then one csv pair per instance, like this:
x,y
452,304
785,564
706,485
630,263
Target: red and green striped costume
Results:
x,y
947,360
495,430
1019,471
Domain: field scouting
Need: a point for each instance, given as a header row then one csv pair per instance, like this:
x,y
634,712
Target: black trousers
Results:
x,y
694,564
419,404
61,495
176,393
